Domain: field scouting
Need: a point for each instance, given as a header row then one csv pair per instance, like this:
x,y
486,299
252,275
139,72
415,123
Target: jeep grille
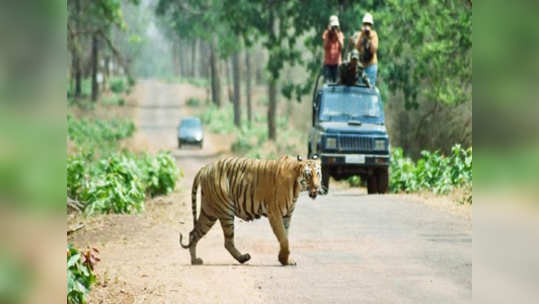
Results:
x,y
356,143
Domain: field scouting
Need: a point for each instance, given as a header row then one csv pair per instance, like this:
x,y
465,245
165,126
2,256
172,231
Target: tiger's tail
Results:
x,y
194,209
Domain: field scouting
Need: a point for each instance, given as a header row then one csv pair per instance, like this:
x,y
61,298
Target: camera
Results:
x,y
334,28
367,31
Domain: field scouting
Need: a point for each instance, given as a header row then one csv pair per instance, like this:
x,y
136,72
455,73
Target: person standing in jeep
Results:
x,y
367,45
333,43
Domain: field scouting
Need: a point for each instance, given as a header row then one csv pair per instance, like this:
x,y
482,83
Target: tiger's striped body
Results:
x,y
248,189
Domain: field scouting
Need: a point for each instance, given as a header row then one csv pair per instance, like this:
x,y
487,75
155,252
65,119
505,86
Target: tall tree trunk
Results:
x,y
272,108
76,55
176,57
237,87
215,77
77,73
182,58
106,74
94,63
193,58
203,60
272,90
228,81
248,91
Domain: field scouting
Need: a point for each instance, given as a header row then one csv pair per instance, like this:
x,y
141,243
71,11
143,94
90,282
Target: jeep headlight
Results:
x,y
379,144
331,143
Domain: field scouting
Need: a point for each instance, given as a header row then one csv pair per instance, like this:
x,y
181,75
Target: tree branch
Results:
x,y
115,52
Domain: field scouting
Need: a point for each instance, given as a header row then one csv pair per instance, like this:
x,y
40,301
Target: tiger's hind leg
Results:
x,y
203,225
228,230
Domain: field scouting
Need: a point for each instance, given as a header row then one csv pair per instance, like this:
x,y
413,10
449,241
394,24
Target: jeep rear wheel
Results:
x,y
382,180
325,180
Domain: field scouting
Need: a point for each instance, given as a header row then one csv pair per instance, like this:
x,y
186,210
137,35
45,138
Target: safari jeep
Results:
x,y
349,135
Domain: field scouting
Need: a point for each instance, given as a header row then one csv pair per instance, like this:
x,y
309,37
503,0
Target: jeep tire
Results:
x,y
325,179
382,180
371,183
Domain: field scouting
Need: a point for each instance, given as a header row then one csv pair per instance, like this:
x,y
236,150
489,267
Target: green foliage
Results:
x,y
433,171
85,88
354,181
242,144
159,173
97,133
107,181
219,120
113,185
430,57
118,84
80,275
119,182
113,100
193,102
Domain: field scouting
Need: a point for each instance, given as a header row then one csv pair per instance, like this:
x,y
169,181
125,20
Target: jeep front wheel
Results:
x,y
325,179
382,180
371,184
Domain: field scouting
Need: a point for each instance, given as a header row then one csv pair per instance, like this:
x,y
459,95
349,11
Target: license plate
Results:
x,y
354,159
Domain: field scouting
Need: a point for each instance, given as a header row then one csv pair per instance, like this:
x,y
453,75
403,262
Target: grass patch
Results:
x,y
193,102
113,100
197,82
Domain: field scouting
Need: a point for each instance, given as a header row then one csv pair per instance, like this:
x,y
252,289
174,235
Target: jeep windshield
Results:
x,y
351,106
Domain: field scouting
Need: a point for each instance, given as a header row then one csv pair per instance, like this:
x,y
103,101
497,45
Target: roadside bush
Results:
x,y
193,102
117,84
120,182
107,181
354,181
114,185
80,273
219,120
97,132
433,171
113,100
241,145
159,173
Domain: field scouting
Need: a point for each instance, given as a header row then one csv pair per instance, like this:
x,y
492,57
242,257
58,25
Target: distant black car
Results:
x,y
190,132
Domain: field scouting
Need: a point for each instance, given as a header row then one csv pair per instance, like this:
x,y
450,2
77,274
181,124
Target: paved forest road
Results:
x,y
350,247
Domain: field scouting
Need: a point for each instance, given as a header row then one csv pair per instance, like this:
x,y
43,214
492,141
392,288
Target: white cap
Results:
x,y
333,21
367,18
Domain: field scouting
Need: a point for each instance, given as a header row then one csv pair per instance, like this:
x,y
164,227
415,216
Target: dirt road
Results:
x,y
350,247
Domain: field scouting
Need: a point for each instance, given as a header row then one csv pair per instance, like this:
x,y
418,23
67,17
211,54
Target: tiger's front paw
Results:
x,y
284,258
291,262
244,258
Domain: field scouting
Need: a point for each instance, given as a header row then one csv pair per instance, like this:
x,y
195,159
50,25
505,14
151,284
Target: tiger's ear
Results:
x,y
314,157
300,158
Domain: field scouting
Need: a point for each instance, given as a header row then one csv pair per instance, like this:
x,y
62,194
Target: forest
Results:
x,y
425,73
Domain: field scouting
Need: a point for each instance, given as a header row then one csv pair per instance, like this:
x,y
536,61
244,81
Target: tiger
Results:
x,y
248,189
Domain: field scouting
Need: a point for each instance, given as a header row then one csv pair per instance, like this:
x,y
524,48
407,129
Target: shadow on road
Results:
x,y
238,265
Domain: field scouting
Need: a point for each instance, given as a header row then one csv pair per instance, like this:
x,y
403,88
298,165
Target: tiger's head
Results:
x,y
310,176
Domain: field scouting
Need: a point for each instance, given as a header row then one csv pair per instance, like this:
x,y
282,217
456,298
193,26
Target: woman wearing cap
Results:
x,y
333,44
367,45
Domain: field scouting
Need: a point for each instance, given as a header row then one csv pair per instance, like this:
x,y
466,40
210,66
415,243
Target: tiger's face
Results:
x,y
311,177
